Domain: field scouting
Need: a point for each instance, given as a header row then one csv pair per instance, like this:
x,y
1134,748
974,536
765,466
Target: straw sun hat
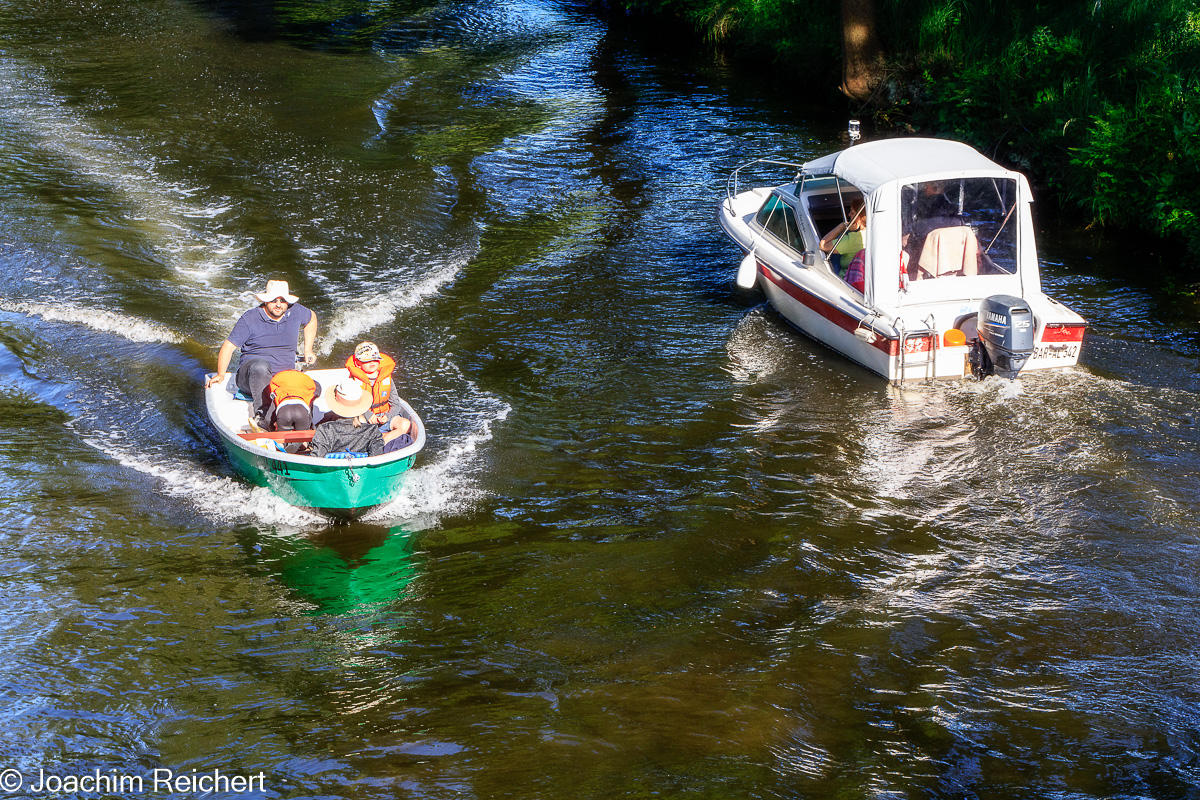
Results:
x,y
348,398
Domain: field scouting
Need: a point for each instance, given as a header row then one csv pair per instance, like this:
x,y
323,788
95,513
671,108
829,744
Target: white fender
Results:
x,y
866,334
747,274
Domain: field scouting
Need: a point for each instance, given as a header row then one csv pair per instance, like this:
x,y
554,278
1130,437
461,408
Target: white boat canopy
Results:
x,y
881,169
872,164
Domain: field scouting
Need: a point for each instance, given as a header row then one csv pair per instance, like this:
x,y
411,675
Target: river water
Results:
x,y
659,544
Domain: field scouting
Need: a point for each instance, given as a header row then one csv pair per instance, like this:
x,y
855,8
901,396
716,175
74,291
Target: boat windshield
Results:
x,y
779,219
961,227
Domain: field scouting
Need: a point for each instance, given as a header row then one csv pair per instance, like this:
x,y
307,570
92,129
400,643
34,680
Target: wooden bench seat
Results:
x,y
279,436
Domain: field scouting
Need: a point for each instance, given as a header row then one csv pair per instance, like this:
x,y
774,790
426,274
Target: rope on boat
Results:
x,y
1002,224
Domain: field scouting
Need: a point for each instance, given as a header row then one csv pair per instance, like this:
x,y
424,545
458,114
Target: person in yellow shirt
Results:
x,y
846,238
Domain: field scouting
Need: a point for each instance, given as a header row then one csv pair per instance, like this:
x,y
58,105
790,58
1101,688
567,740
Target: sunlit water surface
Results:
x,y
659,543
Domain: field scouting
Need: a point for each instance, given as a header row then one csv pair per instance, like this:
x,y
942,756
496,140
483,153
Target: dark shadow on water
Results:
x,y
353,25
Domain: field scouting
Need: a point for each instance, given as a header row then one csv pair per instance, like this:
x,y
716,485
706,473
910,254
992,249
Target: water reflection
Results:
x,y
354,570
344,26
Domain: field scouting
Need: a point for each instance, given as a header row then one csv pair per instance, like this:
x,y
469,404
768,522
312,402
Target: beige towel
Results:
x,y
950,251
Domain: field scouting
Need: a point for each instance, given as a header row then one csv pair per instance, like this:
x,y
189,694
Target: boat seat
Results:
x,y
949,251
234,390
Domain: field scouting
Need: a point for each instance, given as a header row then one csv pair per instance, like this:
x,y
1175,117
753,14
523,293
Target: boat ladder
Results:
x,y
926,356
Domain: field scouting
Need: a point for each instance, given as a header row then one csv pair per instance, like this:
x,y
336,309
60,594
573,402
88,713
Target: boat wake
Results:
x,y
220,499
953,443
183,228
357,316
132,328
752,353
449,485
763,346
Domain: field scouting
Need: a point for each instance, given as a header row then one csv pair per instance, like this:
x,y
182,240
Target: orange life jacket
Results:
x,y
292,383
383,382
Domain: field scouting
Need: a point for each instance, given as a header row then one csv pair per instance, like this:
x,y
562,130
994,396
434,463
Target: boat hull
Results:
x,y
341,490
823,322
829,325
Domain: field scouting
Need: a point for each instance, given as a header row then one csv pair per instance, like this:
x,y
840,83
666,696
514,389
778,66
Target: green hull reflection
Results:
x,y
360,570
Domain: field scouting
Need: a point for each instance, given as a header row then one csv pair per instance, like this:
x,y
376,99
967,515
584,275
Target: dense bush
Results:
x,y
1098,100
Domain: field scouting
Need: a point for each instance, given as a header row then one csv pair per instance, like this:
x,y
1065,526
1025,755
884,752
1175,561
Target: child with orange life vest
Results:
x,y
373,370
292,394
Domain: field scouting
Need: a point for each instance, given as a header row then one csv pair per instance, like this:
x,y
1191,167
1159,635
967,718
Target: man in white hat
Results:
x,y
267,336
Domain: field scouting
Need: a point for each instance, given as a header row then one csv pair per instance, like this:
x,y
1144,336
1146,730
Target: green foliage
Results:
x,y
1099,100
1144,161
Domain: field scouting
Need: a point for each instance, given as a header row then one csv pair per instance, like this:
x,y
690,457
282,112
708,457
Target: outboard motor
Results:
x,y
1005,342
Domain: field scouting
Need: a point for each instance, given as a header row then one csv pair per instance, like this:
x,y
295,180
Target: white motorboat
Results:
x,y
946,283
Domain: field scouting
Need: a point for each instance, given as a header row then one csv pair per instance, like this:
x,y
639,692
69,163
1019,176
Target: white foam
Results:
x,y
132,328
221,499
447,486
900,464
355,317
1009,390
752,355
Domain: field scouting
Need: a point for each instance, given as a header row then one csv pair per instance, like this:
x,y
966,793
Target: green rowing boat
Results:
x,y
337,487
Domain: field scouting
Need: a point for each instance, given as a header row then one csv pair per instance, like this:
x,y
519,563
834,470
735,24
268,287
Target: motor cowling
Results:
x,y
1005,327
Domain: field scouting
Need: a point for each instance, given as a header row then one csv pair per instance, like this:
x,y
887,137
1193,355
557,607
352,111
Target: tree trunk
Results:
x,y
861,53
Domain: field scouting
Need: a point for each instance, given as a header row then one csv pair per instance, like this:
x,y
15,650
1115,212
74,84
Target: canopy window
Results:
x,y
959,227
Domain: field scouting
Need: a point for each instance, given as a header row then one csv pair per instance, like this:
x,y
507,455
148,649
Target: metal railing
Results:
x,y
732,185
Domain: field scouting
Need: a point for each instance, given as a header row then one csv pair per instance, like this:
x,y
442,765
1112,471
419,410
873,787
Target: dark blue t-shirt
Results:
x,y
259,336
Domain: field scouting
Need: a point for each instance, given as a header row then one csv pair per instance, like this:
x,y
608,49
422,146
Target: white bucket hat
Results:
x,y
348,398
276,289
